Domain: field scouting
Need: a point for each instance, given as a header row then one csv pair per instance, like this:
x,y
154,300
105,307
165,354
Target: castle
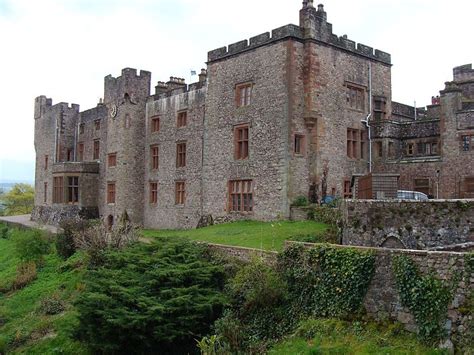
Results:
x,y
295,112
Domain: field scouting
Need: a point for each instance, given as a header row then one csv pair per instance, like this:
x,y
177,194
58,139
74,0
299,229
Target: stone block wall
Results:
x,y
408,224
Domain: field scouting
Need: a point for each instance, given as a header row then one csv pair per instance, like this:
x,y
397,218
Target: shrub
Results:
x,y
31,245
65,246
300,201
52,305
150,298
25,274
97,238
3,231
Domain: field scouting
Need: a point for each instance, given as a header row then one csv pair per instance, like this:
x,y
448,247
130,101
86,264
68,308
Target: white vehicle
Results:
x,y
411,195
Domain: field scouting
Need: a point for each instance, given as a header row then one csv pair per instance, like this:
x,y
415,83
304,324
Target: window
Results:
x,y
70,155
180,193
410,148
391,150
181,155
347,189
80,152
352,143
241,142
111,192
379,108
153,192
467,143
81,128
422,185
45,196
299,144
155,124
128,121
96,149
243,93
154,157
363,144
240,196
112,159
58,189
469,184
46,161
434,148
182,119
97,125
378,149
73,189
355,97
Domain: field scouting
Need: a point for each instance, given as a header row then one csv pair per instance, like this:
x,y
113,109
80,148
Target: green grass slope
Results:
x,y
250,234
24,326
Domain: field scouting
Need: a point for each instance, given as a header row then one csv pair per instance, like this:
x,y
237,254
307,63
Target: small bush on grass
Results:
x,y
300,201
25,274
155,298
31,245
52,305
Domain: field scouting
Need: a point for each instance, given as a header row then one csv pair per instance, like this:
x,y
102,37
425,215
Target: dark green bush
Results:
x,y
31,245
65,246
155,298
3,231
300,201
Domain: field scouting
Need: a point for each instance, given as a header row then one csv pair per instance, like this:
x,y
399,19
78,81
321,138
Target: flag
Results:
x,y
193,72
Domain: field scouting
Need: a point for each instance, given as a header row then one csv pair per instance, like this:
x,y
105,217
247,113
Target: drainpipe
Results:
x,y
367,119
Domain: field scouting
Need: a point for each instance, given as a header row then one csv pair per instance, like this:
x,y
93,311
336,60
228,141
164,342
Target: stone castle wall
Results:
x,y
408,224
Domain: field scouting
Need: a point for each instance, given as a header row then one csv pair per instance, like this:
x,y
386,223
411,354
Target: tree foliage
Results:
x,y
19,200
31,245
155,298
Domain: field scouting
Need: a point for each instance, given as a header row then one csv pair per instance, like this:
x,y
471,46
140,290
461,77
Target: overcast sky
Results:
x,y
64,48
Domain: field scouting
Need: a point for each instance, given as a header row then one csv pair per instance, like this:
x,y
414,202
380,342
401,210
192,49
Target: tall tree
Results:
x,y
19,200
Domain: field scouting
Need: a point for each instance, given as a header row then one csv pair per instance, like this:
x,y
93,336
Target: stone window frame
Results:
x,y
111,192
45,192
46,162
69,154
155,124
346,188
112,160
391,149
241,196
154,157
181,148
243,94
379,107
96,150
242,141
356,96
180,192
80,151
410,149
363,144
467,142
153,192
299,144
97,124
58,189
81,128
72,189
182,119
352,143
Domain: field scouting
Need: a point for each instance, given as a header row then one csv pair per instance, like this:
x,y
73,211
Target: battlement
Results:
x,y
130,73
136,86
313,27
463,73
44,104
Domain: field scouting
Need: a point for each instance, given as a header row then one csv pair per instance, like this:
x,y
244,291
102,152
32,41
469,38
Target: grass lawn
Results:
x,y
24,328
251,234
333,336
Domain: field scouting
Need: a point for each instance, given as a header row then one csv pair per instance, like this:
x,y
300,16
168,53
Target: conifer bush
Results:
x,y
155,298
